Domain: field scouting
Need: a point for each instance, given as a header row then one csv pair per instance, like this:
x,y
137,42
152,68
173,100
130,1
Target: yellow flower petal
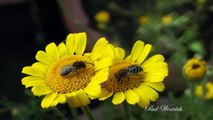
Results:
x,y
208,90
119,53
144,53
47,101
93,89
128,57
52,50
118,98
156,78
70,43
62,49
31,81
144,101
40,67
100,76
73,100
99,48
32,71
153,59
80,43
150,93
157,73
136,50
87,54
43,57
159,86
60,98
109,52
160,72
131,97
198,90
41,90
105,94
83,98
77,99
155,67
105,62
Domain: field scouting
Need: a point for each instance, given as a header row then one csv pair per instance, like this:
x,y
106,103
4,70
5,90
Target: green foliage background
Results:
x,y
189,34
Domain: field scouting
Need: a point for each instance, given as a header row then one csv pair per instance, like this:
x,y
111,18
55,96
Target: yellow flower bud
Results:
x,y
143,20
102,16
194,69
166,20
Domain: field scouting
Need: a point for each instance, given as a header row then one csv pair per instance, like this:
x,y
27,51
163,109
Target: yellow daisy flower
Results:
x,y
194,69
64,74
132,79
209,90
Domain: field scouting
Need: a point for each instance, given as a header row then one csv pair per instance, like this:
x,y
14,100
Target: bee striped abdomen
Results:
x,y
130,70
134,68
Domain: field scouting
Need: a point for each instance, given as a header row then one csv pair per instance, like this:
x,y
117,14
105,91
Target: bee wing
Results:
x,y
66,70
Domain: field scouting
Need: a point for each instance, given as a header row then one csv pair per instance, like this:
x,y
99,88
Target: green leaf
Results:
x,y
197,47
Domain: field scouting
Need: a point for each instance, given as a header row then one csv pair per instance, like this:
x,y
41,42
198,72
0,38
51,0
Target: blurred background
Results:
x,y
178,29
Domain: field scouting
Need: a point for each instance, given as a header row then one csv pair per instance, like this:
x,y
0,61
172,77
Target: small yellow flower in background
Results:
x,y
209,90
201,1
133,79
64,74
143,20
166,20
102,17
194,69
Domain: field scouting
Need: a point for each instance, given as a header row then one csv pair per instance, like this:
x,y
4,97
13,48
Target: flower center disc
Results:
x,y
127,82
74,80
195,66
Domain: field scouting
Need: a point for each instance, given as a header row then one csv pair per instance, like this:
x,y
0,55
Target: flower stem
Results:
x,y
192,100
204,88
127,110
88,112
203,97
74,113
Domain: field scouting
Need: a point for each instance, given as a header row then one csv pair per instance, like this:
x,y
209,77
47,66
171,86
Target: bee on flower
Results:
x,y
64,73
133,78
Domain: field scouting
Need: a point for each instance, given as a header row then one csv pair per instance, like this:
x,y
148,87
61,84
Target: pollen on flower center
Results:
x,y
127,82
74,80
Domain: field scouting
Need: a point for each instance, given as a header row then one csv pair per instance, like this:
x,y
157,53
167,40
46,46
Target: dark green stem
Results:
x,y
204,88
74,113
127,110
192,100
203,97
88,112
